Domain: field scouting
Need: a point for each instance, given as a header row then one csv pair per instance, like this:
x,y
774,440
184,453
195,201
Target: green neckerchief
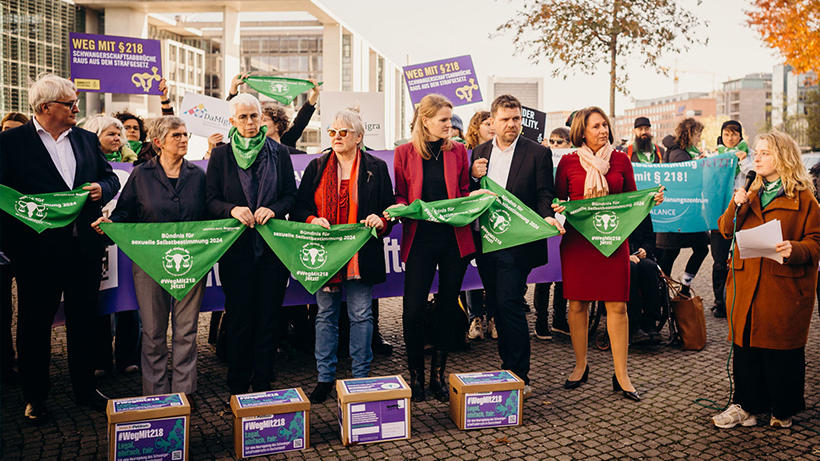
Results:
x,y
741,146
693,151
136,146
115,156
245,149
769,192
645,157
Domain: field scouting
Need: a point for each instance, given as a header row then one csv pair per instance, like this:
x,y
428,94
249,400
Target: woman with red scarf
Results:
x,y
346,186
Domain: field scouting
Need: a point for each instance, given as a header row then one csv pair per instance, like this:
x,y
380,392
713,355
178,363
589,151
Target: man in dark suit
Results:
x,y
251,179
49,154
524,168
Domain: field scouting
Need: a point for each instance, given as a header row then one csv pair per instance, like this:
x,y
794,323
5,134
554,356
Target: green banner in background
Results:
x,y
312,253
281,89
508,222
43,211
607,221
176,255
456,212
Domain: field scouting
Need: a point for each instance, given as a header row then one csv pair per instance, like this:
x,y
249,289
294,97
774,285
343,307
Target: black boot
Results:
x,y
417,384
438,383
380,346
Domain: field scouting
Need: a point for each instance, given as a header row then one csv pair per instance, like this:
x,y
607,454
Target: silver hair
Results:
x,y
352,119
99,123
47,88
164,124
244,99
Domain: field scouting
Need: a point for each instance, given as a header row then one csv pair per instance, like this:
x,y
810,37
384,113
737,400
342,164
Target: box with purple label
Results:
x,y
149,428
373,409
270,422
485,399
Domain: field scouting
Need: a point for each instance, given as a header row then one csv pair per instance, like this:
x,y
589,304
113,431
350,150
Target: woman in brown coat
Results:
x,y
769,318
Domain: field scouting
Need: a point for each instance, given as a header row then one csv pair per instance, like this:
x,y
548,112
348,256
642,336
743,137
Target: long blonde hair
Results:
x,y
787,163
428,108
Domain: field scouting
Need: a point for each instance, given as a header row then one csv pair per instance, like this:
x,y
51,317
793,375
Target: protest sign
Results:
x,y
204,115
456,212
532,124
281,89
607,221
370,107
453,78
312,253
176,255
111,64
43,211
508,222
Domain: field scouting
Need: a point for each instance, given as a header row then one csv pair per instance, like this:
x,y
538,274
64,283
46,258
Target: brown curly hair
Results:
x,y
686,131
278,114
473,127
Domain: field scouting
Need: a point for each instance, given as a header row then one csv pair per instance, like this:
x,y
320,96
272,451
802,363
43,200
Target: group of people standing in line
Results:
x,y
251,179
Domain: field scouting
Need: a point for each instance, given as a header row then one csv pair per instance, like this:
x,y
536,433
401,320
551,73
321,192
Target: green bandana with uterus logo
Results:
x,y
282,89
456,212
606,222
245,150
43,211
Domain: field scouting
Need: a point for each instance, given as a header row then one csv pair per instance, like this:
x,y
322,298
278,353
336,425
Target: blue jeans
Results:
x,y
359,311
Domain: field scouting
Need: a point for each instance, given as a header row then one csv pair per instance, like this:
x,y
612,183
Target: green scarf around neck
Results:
x,y
769,192
694,152
245,149
136,146
115,156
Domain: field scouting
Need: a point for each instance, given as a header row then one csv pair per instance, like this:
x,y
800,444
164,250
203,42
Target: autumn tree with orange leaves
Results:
x,y
792,27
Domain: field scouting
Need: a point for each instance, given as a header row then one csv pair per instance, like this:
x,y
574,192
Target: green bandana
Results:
x,y
456,212
769,192
313,254
646,157
43,211
114,156
607,221
741,146
279,88
176,254
508,222
245,149
693,151
136,146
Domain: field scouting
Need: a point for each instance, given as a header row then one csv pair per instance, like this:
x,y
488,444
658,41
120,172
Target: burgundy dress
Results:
x,y
589,275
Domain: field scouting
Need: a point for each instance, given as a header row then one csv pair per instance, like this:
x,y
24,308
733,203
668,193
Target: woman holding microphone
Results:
x,y
769,319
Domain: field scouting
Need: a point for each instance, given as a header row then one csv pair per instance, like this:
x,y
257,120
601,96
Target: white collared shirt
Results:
x,y
500,162
60,151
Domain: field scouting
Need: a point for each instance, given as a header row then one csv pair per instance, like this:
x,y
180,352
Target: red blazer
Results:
x,y
409,176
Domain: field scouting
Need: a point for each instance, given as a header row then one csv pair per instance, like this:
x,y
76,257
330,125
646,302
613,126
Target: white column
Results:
x,y
332,57
358,63
126,22
230,47
374,71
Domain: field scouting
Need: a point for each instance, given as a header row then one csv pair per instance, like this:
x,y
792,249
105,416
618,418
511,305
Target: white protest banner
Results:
x,y
204,115
370,106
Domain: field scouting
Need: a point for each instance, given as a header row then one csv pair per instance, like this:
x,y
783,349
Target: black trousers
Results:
x,y
720,268
254,291
505,281
124,329
427,253
669,255
6,314
73,272
541,301
644,303
769,380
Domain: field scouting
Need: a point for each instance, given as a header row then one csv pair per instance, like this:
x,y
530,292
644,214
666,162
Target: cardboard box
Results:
x,y
148,428
270,422
373,409
486,399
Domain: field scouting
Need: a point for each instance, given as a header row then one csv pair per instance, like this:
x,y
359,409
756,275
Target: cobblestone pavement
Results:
x,y
591,422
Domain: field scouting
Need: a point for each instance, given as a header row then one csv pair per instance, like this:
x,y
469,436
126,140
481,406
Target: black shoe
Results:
x,y
438,384
36,412
560,327
576,384
542,332
380,346
320,392
417,385
95,400
719,311
639,336
616,386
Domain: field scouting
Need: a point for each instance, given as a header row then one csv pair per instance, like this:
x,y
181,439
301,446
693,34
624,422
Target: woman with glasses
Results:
x,y
166,188
346,186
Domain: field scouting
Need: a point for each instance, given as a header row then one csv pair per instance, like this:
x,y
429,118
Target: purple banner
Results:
x,y
117,286
264,435
110,64
151,440
454,78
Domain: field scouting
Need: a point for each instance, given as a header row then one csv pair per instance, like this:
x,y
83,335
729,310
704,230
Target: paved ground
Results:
x,y
591,422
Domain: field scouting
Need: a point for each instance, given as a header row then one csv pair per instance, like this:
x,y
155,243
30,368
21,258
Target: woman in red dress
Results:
x,y
594,170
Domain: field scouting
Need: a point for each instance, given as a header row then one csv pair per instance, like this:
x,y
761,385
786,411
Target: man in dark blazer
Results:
x,y
253,278
49,154
524,168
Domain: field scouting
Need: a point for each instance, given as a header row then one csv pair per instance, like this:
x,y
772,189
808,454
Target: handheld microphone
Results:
x,y
750,177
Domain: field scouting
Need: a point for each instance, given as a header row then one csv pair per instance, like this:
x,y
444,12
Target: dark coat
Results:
x,y
780,296
375,195
679,240
148,195
531,181
26,166
644,237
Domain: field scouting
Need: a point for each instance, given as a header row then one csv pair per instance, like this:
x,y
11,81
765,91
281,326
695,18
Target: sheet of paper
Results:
x,y
759,242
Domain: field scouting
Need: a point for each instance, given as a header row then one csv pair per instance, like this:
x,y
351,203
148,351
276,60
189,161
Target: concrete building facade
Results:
x,y
665,113
747,100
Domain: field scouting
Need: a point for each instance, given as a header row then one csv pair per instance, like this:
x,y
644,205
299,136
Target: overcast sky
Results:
x,y
427,30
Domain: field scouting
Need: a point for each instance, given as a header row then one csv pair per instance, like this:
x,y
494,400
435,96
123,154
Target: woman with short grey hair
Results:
x,y
166,188
111,133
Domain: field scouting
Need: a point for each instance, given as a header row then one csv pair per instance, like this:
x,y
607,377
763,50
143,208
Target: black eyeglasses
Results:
x,y
558,141
69,104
